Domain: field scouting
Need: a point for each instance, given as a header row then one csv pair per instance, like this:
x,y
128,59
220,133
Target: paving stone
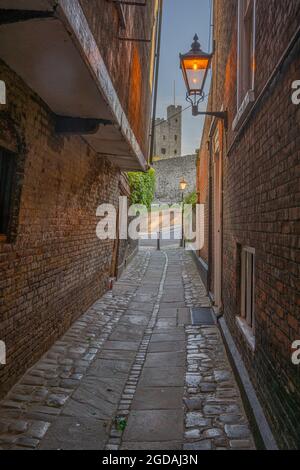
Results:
x,y
167,337
153,446
194,419
199,445
212,433
236,431
193,404
158,425
157,398
57,401
18,427
122,345
193,380
76,434
240,444
165,359
171,377
47,410
208,387
8,440
211,410
230,419
38,429
96,398
192,434
28,442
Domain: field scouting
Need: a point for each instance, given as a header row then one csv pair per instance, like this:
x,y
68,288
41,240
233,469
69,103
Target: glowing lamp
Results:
x,y
183,184
195,66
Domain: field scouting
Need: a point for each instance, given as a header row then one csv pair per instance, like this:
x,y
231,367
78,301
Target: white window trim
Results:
x,y
247,332
244,107
242,321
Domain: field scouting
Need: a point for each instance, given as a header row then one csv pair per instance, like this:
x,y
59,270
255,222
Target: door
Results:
x,y
217,222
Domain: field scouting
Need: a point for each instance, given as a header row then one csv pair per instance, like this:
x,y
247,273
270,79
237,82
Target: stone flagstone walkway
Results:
x,y
132,373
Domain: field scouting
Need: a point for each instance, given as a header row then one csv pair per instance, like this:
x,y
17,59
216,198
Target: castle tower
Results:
x,y
168,134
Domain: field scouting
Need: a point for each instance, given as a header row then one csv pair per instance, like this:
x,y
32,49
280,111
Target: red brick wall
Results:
x,y
261,206
54,267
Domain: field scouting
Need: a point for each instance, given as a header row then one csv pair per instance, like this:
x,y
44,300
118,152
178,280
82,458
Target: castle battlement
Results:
x,y
168,134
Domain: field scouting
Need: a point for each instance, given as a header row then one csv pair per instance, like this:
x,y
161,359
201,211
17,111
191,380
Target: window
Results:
x,y
7,170
246,57
247,319
176,137
175,152
164,137
163,151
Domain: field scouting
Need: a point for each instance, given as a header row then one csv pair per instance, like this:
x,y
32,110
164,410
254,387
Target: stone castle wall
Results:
x,y
168,134
169,172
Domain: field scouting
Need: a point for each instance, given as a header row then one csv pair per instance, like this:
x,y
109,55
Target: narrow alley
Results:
x,y
149,228
133,372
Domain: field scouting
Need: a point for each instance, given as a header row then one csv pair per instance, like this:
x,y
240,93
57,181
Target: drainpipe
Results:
x,y
157,56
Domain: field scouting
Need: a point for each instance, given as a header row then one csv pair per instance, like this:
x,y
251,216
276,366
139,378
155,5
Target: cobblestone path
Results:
x,y
133,373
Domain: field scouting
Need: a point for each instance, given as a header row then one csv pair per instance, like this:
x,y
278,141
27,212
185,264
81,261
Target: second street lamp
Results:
x,y
195,65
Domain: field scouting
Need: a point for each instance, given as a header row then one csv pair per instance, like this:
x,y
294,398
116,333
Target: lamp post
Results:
x,y
195,65
182,186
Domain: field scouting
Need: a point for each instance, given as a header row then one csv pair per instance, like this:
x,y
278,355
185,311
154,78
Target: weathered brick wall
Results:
x,y
128,62
54,267
261,206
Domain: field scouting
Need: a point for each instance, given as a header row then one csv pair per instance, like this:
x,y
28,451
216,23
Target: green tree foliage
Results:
x,y
142,187
191,199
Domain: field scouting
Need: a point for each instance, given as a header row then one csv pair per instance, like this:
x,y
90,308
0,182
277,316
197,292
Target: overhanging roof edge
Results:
x,y
75,21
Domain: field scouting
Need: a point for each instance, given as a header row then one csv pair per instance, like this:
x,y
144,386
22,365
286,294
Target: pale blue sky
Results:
x,y
181,20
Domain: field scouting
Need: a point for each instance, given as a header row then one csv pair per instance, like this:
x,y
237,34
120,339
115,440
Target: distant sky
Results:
x,y
181,20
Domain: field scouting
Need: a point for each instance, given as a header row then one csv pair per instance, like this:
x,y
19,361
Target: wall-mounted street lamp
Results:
x,y
182,186
195,65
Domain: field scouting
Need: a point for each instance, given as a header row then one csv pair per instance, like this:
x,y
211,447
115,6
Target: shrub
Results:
x,y
191,199
142,187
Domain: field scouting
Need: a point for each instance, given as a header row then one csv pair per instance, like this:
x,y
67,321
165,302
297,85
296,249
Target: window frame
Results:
x,y
246,319
244,102
5,233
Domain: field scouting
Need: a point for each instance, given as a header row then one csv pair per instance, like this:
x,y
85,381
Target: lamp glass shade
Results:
x,y
183,185
195,65
195,70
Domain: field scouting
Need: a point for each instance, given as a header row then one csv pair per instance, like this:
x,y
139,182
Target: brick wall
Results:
x,y
53,267
261,205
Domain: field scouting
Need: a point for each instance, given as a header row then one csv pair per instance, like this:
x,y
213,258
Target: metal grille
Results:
x,y
7,170
202,316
